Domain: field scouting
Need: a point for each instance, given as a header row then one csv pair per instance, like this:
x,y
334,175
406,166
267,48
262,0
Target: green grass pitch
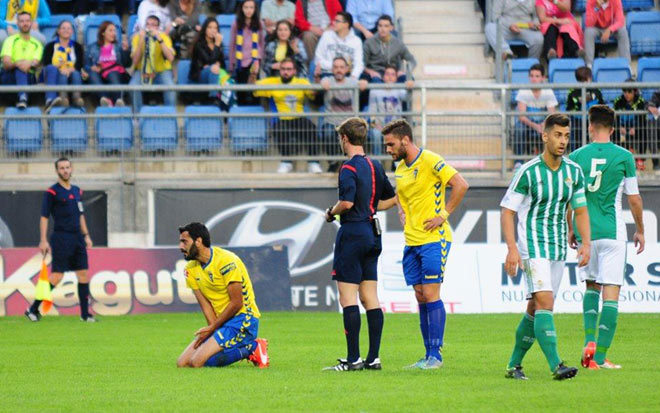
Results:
x,y
128,364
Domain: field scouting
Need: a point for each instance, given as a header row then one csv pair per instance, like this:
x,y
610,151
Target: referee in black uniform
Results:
x,y
69,240
363,188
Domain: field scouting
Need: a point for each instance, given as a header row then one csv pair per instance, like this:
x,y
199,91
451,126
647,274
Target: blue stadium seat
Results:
x,y
609,70
92,23
132,19
68,134
49,29
644,32
580,6
648,70
203,133
224,22
114,134
248,133
519,72
158,133
563,71
637,5
183,68
23,135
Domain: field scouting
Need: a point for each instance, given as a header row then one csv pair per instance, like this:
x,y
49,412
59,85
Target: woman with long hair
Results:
x,y
106,62
62,60
282,46
246,48
207,59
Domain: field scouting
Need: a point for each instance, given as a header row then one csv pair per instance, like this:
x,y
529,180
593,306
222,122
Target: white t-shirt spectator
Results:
x,y
386,101
542,103
331,46
152,8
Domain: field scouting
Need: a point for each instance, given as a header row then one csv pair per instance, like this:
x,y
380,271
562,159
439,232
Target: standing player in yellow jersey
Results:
x,y
421,180
224,291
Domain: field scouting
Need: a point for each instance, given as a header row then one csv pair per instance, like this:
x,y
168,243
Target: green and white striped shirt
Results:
x,y
540,195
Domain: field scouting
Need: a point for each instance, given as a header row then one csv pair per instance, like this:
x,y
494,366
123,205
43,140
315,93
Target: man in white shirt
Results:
x,y
339,42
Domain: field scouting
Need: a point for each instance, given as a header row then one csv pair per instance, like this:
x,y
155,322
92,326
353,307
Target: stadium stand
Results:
x,y
247,134
563,71
23,135
644,31
68,135
648,70
610,70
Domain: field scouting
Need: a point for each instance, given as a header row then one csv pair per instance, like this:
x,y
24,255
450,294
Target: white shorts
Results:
x,y
542,274
607,263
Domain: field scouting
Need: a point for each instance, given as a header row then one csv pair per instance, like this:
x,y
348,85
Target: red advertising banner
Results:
x,y
133,281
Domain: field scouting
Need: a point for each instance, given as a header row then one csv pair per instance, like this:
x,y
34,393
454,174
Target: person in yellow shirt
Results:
x,y
224,292
422,178
292,131
152,55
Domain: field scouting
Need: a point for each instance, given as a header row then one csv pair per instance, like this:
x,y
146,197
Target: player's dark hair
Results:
x,y
558,119
583,74
153,17
197,230
355,129
538,67
342,58
347,17
20,13
602,116
62,159
385,17
398,128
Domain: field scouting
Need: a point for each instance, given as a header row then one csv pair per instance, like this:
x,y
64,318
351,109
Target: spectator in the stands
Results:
x,y
185,24
389,102
292,131
366,14
313,17
574,104
207,62
246,48
106,62
9,11
386,50
518,21
336,102
653,134
152,55
604,19
121,7
631,131
272,11
284,45
21,56
341,41
158,8
562,34
529,128
63,61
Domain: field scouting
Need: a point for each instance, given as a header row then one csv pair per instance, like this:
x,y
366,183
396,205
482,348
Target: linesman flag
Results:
x,y
43,292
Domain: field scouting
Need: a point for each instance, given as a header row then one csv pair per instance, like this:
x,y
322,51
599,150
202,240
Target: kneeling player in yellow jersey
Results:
x,y
223,289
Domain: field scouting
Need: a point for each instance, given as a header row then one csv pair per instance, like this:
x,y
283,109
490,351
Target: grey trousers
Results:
x,y
532,38
593,33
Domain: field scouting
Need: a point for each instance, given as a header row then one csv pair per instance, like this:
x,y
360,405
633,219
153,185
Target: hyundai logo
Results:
x,y
298,238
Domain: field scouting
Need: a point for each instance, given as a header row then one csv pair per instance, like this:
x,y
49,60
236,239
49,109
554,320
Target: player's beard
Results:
x,y
192,253
63,178
400,154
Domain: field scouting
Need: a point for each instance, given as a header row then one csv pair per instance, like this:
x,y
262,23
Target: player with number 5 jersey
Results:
x,y
610,172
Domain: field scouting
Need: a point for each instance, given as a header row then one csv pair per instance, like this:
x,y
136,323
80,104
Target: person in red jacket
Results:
x,y
312,18
604,19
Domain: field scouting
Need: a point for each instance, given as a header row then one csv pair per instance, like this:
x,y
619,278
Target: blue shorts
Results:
x,y
69,251
425,264
237,332
357,249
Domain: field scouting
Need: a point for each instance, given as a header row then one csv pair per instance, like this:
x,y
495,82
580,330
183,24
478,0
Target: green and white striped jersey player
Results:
x,y
540,194
610,172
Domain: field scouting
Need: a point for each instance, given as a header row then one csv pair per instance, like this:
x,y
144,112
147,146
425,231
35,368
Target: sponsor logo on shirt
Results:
x,y
227,268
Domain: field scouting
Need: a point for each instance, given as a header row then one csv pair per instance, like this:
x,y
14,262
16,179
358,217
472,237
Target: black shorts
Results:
x,y
357,249
69,252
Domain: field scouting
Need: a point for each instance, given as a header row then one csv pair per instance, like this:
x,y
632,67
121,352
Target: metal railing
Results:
x,y
482,140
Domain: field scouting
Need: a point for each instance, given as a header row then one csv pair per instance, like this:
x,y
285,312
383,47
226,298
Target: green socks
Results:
x,y
544,330
524,340
606,329
590,314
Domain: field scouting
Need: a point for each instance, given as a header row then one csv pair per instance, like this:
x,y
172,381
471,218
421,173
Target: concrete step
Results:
x,y
451,62
438,9
441,38
450,23
437,100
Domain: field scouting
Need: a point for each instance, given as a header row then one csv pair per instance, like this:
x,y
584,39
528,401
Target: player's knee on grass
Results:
x,y
197,360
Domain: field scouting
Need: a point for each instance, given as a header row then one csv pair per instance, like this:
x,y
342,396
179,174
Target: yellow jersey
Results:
x,y
212,279
421,189
286,101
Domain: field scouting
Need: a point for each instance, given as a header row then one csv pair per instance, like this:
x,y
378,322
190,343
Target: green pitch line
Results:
x,y
128,364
